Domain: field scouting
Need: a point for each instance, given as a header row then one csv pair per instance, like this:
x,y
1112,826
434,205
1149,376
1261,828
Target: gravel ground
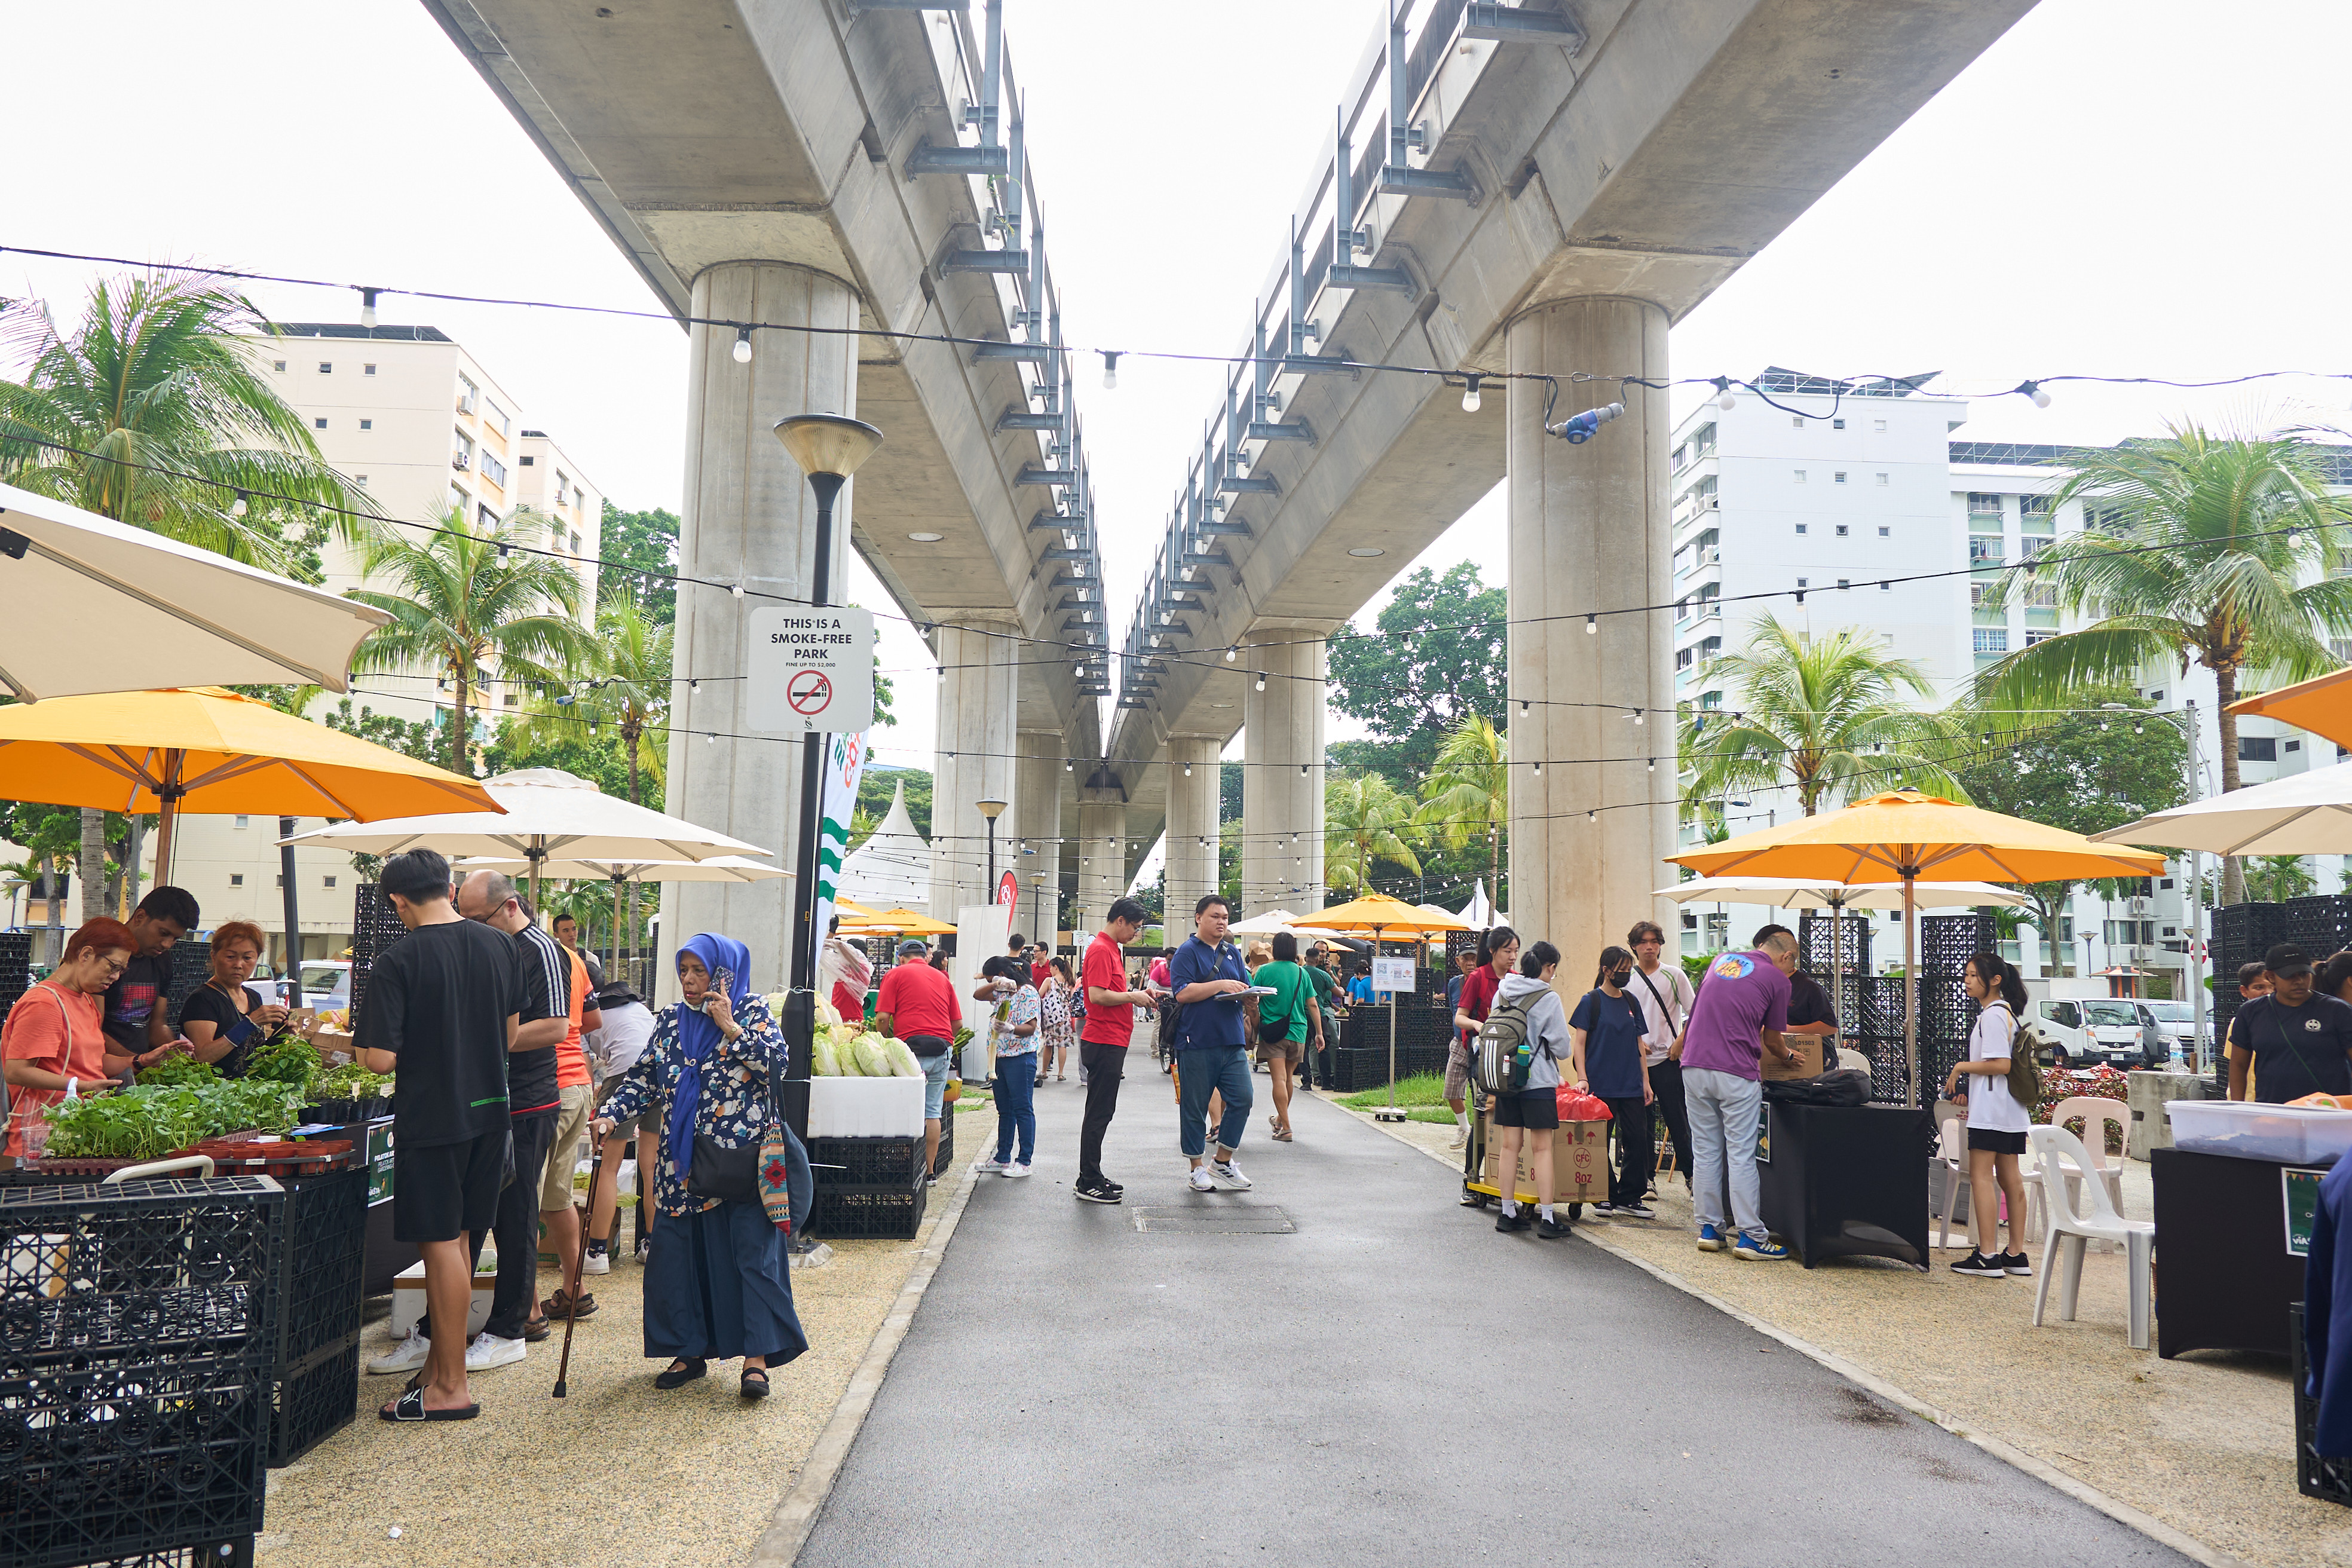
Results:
x,y
2204,1443
619,1472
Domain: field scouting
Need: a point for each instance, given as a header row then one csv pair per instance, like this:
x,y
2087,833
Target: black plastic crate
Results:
x,y
946,1160
867,1161
146,1270
867,1213
1851,934
314,1400
374,927
234,1552
2315,1475
2321,925
121,1459
320,1279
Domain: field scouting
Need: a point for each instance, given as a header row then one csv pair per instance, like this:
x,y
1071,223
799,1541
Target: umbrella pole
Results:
x,y
167,815
1911,984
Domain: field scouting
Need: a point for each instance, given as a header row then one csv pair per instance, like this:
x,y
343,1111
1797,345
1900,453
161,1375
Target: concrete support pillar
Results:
x,y
1281,770
1192,778
1590,530
979,700
749,518
1102,856
1037,779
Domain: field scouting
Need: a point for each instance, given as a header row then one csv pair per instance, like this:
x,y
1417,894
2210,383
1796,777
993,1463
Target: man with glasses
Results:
x,y
1666,995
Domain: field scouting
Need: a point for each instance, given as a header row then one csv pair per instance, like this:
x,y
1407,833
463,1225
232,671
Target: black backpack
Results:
x,y
1503,1053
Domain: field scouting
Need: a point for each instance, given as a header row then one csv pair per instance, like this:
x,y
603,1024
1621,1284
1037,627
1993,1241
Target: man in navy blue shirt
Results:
x,y
1212,1054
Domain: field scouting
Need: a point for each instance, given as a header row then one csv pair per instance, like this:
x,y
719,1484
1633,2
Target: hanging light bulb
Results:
x,y
1232,653
1726,399
742,349
1591,626
367,308
1188,770
503,549
2032,389
1524,706
1591,816
1302,769
1654,764
711,739
1260,680
1470,395
737,590
694,686
236,507
1637,716
1538,770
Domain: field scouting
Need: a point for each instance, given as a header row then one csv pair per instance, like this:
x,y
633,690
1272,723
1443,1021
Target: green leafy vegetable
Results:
x,y
350,1082
153,1119
180,1069
289,1058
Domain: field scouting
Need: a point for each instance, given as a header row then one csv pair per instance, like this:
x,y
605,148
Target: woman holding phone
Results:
x,y
224,1017
717,1284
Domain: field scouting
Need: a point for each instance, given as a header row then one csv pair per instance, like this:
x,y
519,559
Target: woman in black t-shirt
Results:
x,y
223,1018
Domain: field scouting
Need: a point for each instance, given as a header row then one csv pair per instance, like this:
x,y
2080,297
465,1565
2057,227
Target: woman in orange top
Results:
x,y
53,1035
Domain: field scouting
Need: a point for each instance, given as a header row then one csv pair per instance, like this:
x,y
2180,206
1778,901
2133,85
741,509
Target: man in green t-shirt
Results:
x,y
1318,975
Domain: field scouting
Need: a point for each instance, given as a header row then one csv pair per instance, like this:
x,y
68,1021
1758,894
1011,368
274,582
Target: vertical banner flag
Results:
x,y
1008,899
845,760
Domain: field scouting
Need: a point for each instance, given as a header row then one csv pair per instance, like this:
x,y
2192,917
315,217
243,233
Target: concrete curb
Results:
x,y
2040,1469
788,1528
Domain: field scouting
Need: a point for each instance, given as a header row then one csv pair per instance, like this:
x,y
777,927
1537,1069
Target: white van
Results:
x,y
2099,1031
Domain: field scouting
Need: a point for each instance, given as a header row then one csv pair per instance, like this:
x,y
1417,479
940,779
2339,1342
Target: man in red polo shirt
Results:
x,y
1102,1046
917,1004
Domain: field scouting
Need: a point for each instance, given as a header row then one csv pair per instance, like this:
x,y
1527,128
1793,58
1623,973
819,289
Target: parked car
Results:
x,y
2178,1023
326,983
2103,1031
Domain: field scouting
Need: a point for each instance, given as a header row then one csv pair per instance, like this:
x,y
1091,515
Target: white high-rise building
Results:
x,y
1841,489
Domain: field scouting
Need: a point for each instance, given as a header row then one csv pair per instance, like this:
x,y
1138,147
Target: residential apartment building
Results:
x,y
422,427
1843,490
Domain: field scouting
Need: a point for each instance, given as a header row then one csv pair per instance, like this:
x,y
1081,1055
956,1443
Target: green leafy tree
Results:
x,y
2246,534
2086,772
1365,818
876,785
409,737
1438,653
2274,879
463,606
629,693
644,542
1466,800
1833,716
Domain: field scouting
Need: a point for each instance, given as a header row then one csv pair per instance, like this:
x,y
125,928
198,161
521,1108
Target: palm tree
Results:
x,y
1833,716
629,691
1467,793
155,414
2236,522
1362,816
463,597
2278,877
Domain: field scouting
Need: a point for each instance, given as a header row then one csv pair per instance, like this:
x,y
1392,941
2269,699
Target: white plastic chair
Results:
x,y
1952,1142
2054,1148
2098,1114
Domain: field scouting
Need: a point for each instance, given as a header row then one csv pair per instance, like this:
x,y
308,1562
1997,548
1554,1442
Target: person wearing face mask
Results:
x,y
1610,1032
1741,1011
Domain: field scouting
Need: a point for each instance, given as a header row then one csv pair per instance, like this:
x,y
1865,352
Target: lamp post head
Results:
x,y
830,443
992,809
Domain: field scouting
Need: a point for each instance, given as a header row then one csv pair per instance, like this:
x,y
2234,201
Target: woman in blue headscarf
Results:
x,y
718,1284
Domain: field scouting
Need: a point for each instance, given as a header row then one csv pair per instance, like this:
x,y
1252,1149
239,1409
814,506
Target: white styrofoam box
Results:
x,y
2255,1130
866,1107
408,1297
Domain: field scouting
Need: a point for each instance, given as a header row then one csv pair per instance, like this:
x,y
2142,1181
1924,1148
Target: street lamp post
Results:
x,y
992,809
1037,906
2186,717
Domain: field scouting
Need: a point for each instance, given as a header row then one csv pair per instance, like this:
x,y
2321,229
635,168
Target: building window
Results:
x,y
365,369
492,469
1981,503
1882,481
512,701
1803,580
488,518
1838,478
331,881
1683,657
1801,476
1990,639
326,367
1879,426
237,879
1886,587
466,394
1802,527
281,879
527,462
1837,424
1798,420
319,424
497,418
575,544
279,365
367,424
1845,583
2257,748
2038,634
1885,532
1843,530
242,821
360,479
2292,746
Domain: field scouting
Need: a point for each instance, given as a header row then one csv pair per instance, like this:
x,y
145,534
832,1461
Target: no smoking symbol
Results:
x,y
809,691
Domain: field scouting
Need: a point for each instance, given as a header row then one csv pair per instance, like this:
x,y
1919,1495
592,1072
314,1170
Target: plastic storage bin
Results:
x,y
2251,1130
866,1108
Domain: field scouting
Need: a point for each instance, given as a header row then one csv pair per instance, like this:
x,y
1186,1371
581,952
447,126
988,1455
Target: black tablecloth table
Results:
x,y
1841,1180
2224,1277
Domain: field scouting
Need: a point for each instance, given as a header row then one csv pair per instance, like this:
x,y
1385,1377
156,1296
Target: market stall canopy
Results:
x,y
1377,914
211,752
1266,924
1480,910
897,922
163,605
2302,814
1794,893
538,815
724,869
2322,705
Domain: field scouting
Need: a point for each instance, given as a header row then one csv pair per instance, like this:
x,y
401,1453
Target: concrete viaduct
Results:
x,y
1542,188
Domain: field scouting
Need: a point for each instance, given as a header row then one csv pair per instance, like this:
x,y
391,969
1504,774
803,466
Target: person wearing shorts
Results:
x,y
1532,1115
443,1009
917,1004
1284,1021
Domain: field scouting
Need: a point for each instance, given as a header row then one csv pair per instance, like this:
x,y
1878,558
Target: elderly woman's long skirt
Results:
x,y
718,1286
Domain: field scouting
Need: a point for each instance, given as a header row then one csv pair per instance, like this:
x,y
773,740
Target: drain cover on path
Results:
x,y
1218,1219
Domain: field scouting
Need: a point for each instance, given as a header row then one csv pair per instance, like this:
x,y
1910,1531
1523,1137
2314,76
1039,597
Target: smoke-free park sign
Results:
x,y
810,671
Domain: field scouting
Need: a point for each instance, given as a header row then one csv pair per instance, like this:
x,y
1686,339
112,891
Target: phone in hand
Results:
x,y
721,984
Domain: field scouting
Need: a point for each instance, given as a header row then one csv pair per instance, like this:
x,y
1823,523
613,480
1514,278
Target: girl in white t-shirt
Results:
x,y
1997,1123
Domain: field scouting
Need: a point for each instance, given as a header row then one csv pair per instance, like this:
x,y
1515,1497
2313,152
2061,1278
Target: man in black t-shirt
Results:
x,y
441,1011
2293,1042
138,1025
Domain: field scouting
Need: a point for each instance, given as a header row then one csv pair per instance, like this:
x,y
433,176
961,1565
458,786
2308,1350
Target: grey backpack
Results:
x,y
1504,1053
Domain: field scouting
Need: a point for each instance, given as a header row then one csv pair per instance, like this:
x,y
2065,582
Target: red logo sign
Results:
x,y
809,691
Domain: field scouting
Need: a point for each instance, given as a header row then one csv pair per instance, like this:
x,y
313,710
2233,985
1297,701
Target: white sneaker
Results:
x,y
406,1354
1017,1170
488,1351
597,1262
1199,1180
1229,1177
1458,1139
993,1166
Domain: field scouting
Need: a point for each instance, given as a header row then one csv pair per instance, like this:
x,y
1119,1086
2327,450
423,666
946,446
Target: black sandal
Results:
x,y
755,1390
410,1408
682,1370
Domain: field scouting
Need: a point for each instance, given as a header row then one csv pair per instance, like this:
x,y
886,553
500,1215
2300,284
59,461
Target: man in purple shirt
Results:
x,y
1742,1008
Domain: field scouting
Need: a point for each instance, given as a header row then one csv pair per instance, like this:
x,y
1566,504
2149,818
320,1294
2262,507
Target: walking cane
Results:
x,y
580,1256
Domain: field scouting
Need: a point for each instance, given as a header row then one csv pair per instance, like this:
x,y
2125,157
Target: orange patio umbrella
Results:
x,y
206,749
1380,915
895,923
1902,836
2322,705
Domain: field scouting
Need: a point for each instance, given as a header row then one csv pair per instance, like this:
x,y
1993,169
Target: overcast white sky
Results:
x,y
2130,187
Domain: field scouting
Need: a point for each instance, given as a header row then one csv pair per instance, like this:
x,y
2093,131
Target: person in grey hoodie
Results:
x,y
1534,1112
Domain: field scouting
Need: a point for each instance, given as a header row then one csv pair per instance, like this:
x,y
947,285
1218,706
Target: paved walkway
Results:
x,y
1390,1381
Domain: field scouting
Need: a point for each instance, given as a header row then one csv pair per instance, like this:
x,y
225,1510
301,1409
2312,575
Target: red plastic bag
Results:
x,y
1575,1105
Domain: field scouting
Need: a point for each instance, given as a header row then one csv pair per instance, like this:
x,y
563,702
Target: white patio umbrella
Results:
x,y
167,611
2305,814
1266,924
724,869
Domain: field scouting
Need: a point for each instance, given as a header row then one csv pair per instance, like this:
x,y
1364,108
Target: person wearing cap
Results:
x,y
2293,1042
917,1004
613,1049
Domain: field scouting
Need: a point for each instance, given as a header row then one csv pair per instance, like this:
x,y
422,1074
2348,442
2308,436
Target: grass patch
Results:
x,y
1420,1091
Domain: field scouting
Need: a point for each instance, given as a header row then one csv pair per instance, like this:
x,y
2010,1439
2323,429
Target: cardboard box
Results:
x,y
1809,1059
1579,1164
